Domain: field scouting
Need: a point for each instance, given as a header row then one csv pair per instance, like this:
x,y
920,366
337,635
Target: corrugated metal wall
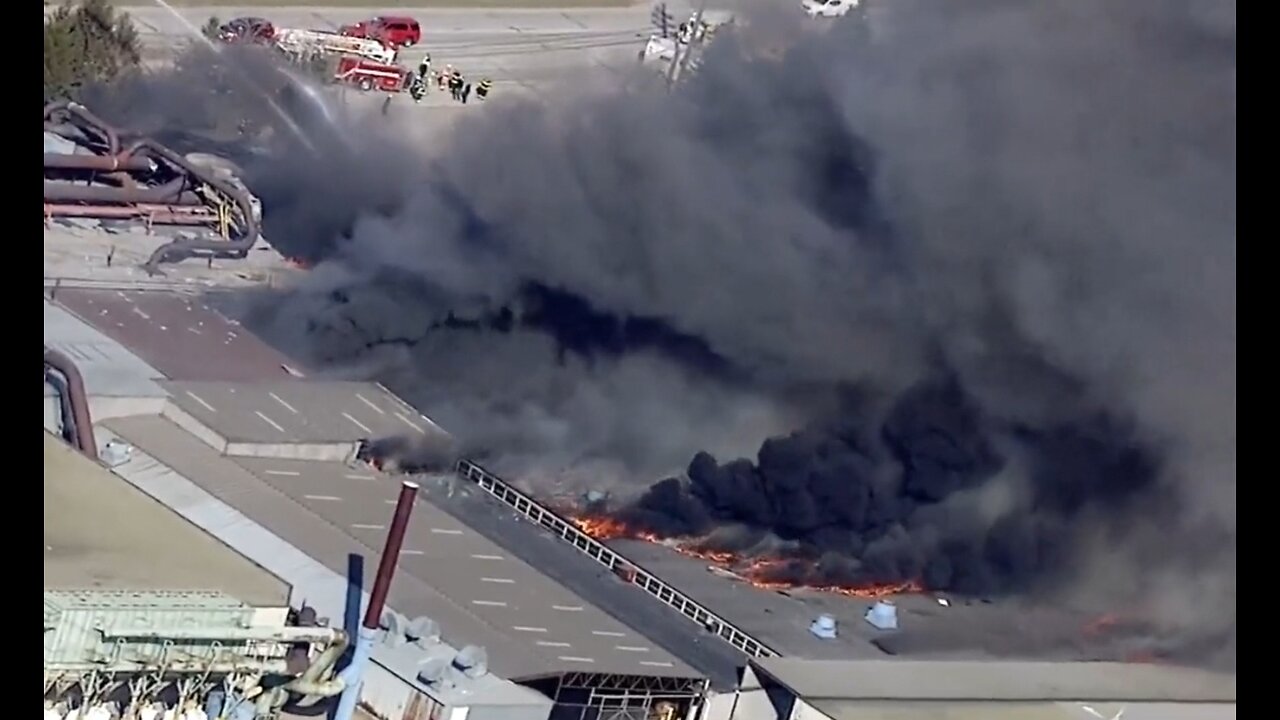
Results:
x,y
508,712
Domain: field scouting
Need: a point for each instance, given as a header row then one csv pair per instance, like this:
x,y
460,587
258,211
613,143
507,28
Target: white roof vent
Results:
x,y
472,661
394,628
422,631
434,671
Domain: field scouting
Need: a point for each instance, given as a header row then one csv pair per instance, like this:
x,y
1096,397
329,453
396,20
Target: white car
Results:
x,y
659,48
828,8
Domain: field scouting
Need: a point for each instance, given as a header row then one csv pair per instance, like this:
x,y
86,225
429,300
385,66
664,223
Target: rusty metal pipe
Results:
x,y
248,230
171,193
352,674
100,163
77,398
95,123
156,214
390,555
244,225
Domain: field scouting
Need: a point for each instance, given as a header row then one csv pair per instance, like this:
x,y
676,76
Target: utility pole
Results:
x,y
680,60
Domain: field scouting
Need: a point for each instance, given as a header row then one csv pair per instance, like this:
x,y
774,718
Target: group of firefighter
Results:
x,y
450,78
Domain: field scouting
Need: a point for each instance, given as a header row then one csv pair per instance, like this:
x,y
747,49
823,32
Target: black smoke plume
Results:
x,y
983,253
918,495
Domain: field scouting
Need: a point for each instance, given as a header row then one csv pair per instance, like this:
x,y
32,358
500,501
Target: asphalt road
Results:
x,y
523,51
520,47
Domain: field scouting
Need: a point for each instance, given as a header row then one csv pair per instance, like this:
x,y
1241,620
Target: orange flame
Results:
x,y
1101,624
757,573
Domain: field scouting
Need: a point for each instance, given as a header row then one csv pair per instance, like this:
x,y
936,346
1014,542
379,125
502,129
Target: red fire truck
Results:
x,y
372,75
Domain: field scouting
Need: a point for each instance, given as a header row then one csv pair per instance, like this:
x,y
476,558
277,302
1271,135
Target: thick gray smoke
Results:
x,y
1031,203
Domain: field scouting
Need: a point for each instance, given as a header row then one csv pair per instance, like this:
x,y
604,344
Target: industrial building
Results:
x,y
211,478
236,439
239,441
792,689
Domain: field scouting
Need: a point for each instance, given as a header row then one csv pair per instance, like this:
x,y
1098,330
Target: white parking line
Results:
x,y
567,608
526,628
282,473
608,633
444,531
200,400
412,552
368,402
362,526
411,424
549,643
574,658
359,477
268,421
286,405
630,648
655,663
357,423
500,581
331,498
489,603
487,557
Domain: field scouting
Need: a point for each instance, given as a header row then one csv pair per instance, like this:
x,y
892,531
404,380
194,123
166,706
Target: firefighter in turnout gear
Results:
x,y
424,68
482,90
418,88
455,85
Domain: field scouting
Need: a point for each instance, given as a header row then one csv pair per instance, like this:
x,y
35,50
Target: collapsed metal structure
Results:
x,y
92,171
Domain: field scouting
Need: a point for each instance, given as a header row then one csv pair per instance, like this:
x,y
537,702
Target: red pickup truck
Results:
x,y
391,31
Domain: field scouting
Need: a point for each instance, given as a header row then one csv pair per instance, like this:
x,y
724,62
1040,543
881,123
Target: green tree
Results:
x,y
86,42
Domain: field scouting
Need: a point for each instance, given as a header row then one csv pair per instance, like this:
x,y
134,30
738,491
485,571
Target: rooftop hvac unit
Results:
x,y
472,661
397,630
393,625
423,632
435,671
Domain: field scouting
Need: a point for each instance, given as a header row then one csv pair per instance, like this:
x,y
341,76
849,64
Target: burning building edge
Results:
x,y
763,573
921,495
873,502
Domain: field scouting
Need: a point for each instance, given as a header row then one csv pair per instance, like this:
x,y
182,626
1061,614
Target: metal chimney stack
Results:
x,y
353,674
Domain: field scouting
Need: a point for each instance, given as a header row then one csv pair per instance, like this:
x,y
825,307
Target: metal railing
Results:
x,y
602,554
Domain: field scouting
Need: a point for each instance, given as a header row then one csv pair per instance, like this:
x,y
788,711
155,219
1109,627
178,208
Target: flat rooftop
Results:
x,y
477,591
87,253
298,411
101,533
1022,681
963,629
107,367
591,581
184,336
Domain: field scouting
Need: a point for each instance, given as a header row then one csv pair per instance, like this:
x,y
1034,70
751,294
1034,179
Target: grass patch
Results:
x,y
390,4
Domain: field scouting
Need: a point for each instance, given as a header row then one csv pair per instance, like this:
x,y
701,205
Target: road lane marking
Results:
x,y
357,423
286,405
268,421
200,400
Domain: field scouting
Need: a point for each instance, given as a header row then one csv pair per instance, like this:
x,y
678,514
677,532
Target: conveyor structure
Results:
x,y
625,569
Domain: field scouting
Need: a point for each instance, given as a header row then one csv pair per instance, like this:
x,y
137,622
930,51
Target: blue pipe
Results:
x,y
353,674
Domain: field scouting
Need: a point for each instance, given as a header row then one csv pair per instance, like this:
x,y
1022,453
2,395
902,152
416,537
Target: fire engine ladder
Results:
x,y
307,42
602,554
